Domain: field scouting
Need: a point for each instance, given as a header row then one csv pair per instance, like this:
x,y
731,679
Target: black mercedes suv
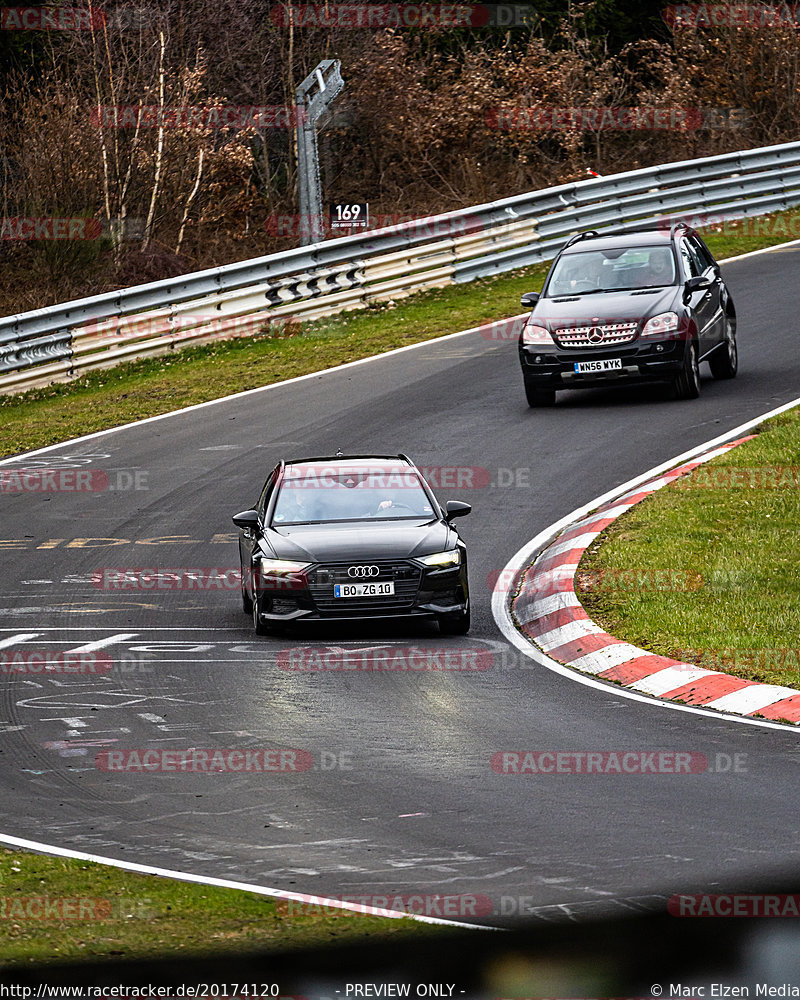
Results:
x,y
352,537
636,307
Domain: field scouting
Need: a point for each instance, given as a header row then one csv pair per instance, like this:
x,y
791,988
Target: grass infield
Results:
x,y
60,910
705,570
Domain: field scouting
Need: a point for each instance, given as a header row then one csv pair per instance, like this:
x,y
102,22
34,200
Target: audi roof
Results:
x,y
365,461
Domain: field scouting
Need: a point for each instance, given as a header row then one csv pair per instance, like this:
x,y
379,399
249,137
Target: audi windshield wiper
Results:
x,y
612,291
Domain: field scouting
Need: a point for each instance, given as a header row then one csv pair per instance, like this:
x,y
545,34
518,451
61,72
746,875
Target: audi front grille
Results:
x,y
406,577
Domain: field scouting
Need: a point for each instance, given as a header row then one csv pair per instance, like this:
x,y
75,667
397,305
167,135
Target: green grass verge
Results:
x,y
706,569
141,389
130,916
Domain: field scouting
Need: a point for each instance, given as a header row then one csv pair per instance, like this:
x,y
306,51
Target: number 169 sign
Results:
x,y
349,216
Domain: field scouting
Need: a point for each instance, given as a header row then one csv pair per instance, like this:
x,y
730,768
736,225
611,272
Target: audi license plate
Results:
x,y
606,365
363,589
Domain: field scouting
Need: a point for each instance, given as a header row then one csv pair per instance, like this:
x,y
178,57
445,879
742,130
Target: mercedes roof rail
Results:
x,y
680,224
580,236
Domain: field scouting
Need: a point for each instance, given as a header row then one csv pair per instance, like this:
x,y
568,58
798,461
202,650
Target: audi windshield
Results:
x,y
612,270
355,496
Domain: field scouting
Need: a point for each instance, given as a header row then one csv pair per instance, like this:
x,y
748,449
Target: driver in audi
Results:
x,y
395,503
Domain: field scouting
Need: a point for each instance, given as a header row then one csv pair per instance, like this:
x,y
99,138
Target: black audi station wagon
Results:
x,y
631,308
352,537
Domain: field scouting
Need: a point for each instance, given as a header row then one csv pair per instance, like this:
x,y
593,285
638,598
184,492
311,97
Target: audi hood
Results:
x,y
332,542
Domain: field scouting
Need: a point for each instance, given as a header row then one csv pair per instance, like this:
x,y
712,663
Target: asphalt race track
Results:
x,y
402,797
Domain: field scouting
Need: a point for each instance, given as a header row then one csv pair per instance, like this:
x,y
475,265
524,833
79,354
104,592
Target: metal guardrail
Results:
x,y
62,342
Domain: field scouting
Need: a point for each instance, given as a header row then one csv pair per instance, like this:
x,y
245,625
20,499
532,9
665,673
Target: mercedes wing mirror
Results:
x,y
696,283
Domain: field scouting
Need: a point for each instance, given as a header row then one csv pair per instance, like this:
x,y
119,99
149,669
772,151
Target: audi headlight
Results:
x,y
536,336
280,574
658,325
451,558
281,567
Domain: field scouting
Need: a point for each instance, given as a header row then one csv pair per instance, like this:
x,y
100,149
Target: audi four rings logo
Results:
x,y
357,571
596,335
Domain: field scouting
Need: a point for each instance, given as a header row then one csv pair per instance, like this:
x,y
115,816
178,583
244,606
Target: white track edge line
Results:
x,y
222,883
501,612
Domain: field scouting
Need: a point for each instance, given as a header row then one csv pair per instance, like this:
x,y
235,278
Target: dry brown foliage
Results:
x,y
410,136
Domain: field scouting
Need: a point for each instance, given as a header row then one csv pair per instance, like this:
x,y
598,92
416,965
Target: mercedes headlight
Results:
x,y
658,325
536,336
